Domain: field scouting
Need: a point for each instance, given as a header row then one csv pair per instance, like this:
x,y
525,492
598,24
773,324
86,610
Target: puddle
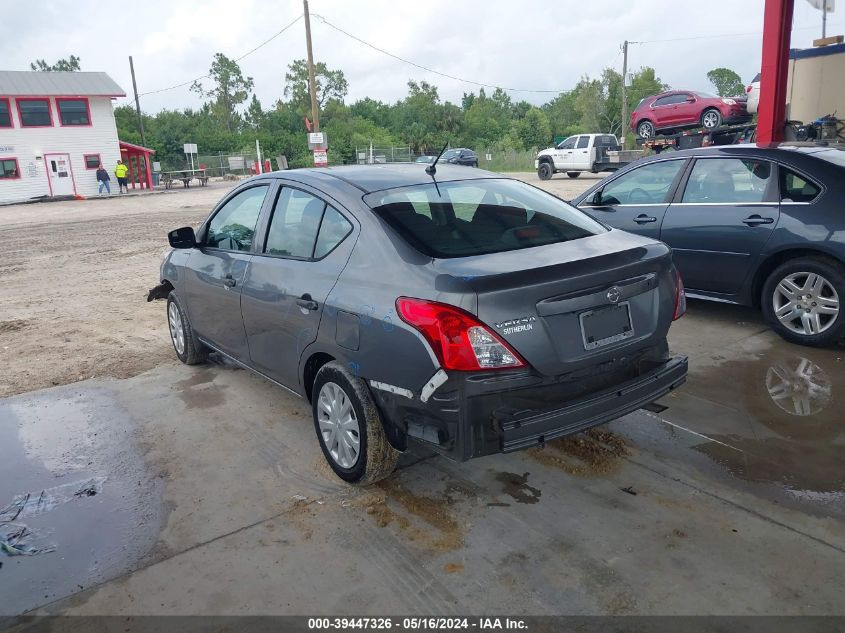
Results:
x,y
199,390
425,520
594,452
74,491
774,417
516,487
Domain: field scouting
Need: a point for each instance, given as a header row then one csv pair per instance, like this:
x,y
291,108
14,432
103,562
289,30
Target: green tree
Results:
x,y
254,115
230,89
533,130
726,82
69,64
330,84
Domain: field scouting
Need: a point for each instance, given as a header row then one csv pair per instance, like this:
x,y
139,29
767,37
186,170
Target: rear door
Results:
x,y
216,270
721,220
303,248
636,200
581,160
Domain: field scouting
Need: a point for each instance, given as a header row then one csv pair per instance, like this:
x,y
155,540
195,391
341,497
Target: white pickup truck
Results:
x,y
583,152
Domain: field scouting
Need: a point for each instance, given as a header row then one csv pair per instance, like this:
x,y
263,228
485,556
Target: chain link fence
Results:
x,y
377,155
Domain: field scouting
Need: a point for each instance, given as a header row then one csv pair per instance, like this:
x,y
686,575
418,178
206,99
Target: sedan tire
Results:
x,y
711,119
185,342
802,301
545,171
349,427
645,129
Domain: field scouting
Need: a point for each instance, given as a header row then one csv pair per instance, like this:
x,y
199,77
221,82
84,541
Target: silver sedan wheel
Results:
x,y
806,303
710,119
177,332
338,425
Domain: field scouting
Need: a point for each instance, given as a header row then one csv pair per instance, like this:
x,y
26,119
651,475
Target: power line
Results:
x,y
237,59
426,68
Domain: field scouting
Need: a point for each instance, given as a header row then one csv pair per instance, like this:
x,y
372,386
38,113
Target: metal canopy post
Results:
x,y
774,70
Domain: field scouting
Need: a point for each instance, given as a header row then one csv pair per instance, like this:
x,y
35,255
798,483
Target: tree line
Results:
x,y
232,118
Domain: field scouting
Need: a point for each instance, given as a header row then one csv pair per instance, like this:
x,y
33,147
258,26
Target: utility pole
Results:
x,y
312,85
824,19
624,92
137,103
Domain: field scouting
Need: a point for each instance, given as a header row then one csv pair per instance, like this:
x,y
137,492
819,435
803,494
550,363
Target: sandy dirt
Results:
x,y
74,281
74,278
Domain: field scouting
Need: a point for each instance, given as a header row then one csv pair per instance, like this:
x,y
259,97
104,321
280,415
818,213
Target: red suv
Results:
x,y
682,108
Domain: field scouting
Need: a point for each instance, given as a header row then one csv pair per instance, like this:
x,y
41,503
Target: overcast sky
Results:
x,y
527,45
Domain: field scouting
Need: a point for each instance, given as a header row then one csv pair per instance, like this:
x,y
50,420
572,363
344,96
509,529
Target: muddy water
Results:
x,y
773,417
74,487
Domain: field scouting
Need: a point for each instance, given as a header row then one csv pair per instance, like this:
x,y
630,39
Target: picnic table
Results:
x,y
185,175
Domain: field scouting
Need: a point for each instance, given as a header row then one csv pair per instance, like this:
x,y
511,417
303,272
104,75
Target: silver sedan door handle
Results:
x,y
644,219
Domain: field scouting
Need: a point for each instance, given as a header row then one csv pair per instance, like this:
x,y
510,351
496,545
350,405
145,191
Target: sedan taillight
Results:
x,y
459,340
680,297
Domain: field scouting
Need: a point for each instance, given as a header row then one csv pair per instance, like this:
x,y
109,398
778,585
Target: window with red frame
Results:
x,y
9,169
73,111
5,113
92,161
35,112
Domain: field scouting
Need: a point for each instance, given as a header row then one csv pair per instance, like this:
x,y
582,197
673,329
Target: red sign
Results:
x,y
321,158
307,124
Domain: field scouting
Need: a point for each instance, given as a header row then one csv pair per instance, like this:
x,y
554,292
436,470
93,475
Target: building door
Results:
x,y
60,174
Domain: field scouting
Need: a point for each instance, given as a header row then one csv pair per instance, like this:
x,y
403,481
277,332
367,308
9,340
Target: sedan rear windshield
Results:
x,y
475,217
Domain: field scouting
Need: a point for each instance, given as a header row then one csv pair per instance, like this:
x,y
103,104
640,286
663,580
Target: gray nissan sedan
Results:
x,y
469,312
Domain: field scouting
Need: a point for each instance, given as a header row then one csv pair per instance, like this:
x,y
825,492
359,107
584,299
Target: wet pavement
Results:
x,y
203,490
78,506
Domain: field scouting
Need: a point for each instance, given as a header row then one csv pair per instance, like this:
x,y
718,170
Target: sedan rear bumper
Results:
x,y
598,408
472,415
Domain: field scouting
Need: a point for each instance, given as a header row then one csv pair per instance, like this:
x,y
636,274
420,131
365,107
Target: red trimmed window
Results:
x,y
73,111
92,161
9,169
5,113
35,113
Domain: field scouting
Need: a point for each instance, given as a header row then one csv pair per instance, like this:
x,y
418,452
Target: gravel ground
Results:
x,y
75,277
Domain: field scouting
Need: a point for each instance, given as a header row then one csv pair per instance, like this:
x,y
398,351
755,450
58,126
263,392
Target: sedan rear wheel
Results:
x,y
645,129
349,427
711,119
802,301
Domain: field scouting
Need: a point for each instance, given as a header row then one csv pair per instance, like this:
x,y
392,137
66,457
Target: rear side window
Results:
x,y
333,230
233,227
795,188
583,141
476,217
727,180
296,221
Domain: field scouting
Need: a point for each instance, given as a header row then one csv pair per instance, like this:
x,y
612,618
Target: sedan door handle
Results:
x,y
757,220
644,219
229,281
306,302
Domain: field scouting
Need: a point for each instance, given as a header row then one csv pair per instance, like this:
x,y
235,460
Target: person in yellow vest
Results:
x,y
120,173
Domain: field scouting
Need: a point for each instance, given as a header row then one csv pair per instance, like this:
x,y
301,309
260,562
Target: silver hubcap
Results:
x,y
710,119
177,333
645,130
799,387
338,425
806,303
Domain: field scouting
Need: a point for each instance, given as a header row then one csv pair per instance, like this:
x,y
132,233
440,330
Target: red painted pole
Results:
x,y
149,172
774,70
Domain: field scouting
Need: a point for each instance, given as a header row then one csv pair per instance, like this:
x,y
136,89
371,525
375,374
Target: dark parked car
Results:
x,y
460,156
759,226
475,314
681,109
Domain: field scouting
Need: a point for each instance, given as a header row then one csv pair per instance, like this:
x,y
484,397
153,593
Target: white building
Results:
x,y
56,128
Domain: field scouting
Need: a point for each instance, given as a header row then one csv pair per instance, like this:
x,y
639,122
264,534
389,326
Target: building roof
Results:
x,y
18,83
138,149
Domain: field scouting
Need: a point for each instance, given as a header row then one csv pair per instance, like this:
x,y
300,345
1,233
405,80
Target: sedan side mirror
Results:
x,y
182,238
597,198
